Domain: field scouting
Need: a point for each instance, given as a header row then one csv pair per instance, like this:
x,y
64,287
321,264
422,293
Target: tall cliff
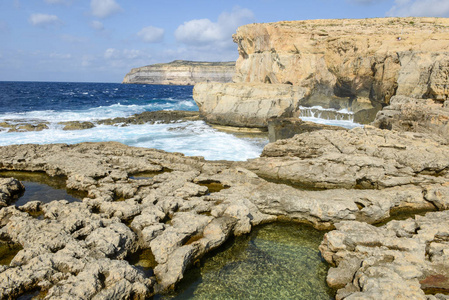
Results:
x,y
180,72
354,64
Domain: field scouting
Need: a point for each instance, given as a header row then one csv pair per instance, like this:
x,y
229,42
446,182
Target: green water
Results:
x,y
276,261
41,187
8,251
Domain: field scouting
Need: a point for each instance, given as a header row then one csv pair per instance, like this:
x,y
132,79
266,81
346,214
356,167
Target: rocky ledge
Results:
x,y
181,72
180,208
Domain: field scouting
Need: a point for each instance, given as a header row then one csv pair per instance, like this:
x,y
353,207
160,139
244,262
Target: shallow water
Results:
x,y
41,187
7,252
275,261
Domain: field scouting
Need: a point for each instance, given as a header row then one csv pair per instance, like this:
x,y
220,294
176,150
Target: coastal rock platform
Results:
x,y
181,208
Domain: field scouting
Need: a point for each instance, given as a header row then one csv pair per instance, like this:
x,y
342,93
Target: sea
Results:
x,y
55,102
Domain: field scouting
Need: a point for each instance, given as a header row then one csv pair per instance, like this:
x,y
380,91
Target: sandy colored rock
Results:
x,y
416,115
247,105
354,64
401,259
180,72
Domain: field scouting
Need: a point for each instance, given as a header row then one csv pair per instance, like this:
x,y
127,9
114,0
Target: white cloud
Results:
x,y
97,25
43,20
420,8
104,8
205,32
151,34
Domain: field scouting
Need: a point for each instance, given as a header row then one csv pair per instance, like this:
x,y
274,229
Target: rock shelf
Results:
x,y
77,250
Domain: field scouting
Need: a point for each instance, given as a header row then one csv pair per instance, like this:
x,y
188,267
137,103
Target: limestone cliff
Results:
x,y
354,64
181,72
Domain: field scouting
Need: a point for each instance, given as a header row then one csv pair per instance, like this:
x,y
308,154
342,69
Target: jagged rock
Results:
x,y
76,125
417,115
398,259
285,128
17,126
180,220
151,117
10,190
181,72
361,157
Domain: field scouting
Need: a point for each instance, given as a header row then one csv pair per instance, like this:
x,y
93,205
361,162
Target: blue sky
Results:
x,y
101,40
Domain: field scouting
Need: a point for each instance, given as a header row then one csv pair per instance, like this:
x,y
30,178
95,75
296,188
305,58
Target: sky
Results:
x,y
101,40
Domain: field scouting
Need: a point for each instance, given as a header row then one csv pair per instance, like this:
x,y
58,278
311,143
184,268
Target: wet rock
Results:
x,y
76,125
285,128
151,117
10,190
15,126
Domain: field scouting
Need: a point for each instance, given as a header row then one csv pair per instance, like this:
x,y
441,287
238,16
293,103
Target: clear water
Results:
x,y
54,102
41,187
275,261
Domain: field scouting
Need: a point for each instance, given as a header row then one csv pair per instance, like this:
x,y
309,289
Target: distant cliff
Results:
x,y
180,72
353,64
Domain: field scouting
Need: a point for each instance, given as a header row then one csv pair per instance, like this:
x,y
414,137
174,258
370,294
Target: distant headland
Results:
x,y
182,72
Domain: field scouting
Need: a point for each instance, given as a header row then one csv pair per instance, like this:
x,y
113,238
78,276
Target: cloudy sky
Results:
x,y
101,40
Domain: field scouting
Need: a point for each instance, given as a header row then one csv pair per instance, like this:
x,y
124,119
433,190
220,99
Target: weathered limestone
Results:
x,y
181,72
10,189
417,115
349,58
399,260
78,249
353,64
247,105
285,128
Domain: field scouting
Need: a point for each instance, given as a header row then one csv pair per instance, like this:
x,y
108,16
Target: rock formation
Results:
x,y
353,64
181,72
79,249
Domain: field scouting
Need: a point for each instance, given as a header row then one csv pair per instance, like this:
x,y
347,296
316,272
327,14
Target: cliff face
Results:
x,y
181,72
366,60
354,64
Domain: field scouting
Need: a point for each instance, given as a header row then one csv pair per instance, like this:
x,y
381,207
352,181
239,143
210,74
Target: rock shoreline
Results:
x,y
78,250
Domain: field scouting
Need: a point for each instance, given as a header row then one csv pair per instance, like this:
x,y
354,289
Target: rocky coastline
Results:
x,y
354,183
181,72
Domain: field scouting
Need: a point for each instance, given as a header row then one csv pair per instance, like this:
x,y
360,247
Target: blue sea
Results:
x,y
55,102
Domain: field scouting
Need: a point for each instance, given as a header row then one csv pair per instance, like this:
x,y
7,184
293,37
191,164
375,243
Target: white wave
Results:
x,y
318,107
97,113
191,138
341,123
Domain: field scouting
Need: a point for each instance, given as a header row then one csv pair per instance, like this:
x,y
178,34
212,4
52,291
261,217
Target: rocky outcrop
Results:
x,y
10,189
285,128
180,72
246,105
403,259
151,117
353,64
359,158
426,116
82,246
